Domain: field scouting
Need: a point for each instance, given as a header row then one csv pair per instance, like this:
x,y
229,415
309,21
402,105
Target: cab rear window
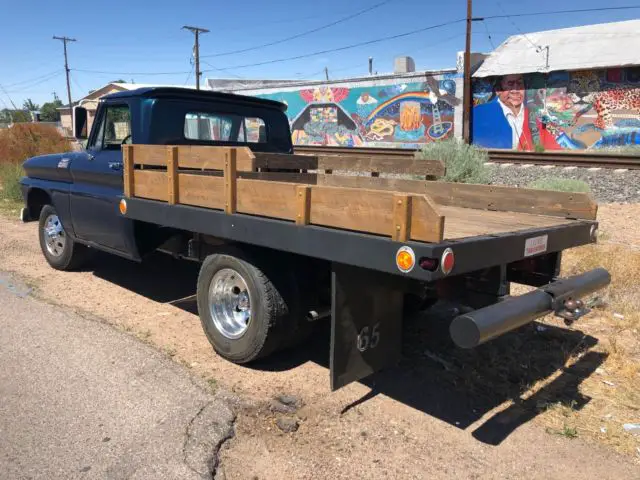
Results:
x,y
224,127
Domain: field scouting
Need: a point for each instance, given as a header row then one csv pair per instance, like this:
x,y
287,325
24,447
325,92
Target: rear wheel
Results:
x,y
59,249
245,314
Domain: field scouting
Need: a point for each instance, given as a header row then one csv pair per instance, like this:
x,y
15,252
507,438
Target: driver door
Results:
x,y
98,184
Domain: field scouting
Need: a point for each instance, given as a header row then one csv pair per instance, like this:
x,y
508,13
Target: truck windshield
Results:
x,y
224,128
114,128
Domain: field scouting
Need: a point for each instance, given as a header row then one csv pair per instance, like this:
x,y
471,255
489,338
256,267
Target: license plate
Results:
x,y
535,245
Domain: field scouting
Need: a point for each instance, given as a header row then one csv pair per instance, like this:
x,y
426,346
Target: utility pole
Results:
x,y
64,41
326,73
467,93
196,31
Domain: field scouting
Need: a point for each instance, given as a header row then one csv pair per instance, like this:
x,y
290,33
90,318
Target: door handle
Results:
x,y
115,165
90,157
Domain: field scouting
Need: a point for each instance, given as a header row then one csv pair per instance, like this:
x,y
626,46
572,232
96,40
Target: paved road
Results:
x,y
79,399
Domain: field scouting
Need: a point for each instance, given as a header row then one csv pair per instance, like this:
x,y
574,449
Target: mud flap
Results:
x,y
366,323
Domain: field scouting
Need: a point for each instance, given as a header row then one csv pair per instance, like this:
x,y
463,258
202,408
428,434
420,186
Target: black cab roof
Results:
x,y
192,94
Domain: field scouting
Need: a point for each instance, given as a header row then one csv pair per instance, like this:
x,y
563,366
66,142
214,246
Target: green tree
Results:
x,y
20,116
49,111
30,106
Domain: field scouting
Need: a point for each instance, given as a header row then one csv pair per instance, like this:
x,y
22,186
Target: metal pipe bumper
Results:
x,y
562,297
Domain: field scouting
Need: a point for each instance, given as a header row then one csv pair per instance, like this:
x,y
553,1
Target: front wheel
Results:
x,y
59,249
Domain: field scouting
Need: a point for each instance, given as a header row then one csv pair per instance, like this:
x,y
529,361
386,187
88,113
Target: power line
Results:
x,y
34,79
538,48
27,88
347,47
129,73
308,32
226,70
559,12
493,46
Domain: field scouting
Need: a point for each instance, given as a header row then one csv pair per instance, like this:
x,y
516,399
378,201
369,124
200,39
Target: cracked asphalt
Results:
x,y
79,399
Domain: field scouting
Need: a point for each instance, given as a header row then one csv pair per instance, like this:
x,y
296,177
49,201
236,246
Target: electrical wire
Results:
x,y
9,85
26,88
538,48
102,72
226,70
302,34
560,12
347,47
189,76
493,46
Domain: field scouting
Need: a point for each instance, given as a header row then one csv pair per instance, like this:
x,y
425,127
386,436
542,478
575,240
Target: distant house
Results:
x,y
90,102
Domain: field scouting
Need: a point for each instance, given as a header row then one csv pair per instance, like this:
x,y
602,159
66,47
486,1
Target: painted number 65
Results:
x,y
368,340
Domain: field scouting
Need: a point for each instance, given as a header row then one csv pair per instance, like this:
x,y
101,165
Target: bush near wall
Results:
x,y
20,142
560,185
23,141
464,163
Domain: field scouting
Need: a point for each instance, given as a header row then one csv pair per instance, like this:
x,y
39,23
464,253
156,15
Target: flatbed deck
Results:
x,y
429,215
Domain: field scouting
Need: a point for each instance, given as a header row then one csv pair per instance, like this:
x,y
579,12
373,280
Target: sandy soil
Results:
x,y
418,420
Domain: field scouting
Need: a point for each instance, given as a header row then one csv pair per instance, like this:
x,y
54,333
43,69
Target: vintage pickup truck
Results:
x,y
286,240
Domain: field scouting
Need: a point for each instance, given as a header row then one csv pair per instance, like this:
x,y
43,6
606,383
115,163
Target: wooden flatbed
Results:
x,y
308,190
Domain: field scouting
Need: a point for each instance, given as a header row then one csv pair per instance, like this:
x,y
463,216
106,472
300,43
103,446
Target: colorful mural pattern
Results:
x,y
561,110
402,115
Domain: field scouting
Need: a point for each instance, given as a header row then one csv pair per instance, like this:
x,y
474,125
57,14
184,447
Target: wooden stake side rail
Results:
x,y
402,216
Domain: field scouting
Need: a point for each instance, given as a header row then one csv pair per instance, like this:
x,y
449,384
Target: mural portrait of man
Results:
x,y
503,122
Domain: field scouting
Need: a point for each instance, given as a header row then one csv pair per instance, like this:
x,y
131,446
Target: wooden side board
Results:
x,y
202,157
482,197
371,211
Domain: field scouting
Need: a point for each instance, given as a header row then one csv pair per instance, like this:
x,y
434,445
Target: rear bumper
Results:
x,y
480,326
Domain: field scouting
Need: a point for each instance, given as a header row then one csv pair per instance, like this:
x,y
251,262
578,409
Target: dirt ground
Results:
x,y
441,413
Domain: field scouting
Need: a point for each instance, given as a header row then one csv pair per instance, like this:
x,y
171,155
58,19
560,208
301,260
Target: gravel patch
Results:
x,y
607,185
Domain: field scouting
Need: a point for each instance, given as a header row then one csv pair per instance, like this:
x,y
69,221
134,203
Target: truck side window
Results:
x,y
114,129
218,127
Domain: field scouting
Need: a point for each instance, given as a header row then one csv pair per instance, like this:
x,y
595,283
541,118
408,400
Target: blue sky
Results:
x,y
132,38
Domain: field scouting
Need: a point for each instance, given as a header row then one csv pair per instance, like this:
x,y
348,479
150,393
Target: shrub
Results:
x,y
9,182
465,163
560,185
23,141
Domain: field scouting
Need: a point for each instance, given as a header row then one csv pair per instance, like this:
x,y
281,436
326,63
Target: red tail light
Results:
x,y
447,261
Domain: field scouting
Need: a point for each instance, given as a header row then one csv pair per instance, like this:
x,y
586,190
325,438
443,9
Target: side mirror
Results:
x,y
80,122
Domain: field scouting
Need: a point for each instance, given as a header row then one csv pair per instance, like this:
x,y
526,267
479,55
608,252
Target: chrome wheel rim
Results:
x,y
229,303
55,237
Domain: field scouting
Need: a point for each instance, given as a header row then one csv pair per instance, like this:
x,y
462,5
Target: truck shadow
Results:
x,y
492,389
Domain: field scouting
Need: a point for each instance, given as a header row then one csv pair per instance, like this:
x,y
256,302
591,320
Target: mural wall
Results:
x,y
401,115
561,110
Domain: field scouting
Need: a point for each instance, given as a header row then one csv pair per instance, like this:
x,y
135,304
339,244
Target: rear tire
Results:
x,y
245,314
58,248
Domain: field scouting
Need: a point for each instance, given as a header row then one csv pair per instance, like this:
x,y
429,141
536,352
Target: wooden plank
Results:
x,y
150,155
172,175
303,196
285,161
127,173
401,217
483,197
427,220
511,199
380,164
465,222
290,177
151,184
268,199
201,190
230,185
351,209
207,157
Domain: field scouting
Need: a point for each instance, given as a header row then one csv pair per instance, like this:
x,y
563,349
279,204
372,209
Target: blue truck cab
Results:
x,y
84,187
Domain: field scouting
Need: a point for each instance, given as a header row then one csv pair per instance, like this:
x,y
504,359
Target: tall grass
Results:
x,y
464,163
10,174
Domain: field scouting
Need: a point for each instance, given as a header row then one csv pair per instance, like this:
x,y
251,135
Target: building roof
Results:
x,y
231,84
588,47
